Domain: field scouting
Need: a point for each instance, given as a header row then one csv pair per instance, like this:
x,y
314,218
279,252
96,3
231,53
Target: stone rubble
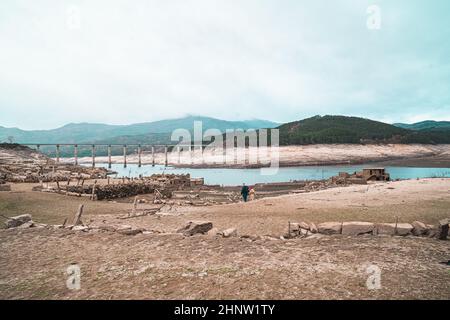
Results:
x,y
22,164
296,230
330,228
196,227
17,221
232,232
358,228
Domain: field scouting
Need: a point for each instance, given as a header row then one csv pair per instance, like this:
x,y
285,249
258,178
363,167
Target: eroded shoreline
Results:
x,y
416,155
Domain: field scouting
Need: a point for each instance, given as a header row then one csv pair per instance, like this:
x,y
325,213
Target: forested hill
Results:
x,y
428,125
342,129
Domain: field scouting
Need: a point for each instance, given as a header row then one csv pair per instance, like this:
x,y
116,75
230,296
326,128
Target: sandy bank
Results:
x,y
391,154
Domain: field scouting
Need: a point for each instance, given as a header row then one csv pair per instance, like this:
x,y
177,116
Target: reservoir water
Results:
x,y
230,177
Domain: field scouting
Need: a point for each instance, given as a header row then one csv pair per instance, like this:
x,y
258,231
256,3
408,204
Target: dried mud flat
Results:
x,y
33,266
318,154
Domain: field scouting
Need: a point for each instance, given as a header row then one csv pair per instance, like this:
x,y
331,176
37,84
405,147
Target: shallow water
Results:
x,y
229,177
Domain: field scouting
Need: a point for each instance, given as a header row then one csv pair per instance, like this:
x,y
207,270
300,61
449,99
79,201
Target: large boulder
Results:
x,y
80,228
214,232
404,229
392,229
419,228
304,225
5,187
232,232
196,227
443,229
385,229
330,228
313,228
356,228
16,221
432,230
130,232
28,224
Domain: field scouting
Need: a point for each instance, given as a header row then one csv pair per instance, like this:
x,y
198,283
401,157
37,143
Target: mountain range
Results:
x,y
426,125
342,129
314,130
133,133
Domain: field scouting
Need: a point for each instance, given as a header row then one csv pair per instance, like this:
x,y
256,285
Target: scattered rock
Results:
x,y
39,225
80,228
123,228
26,225
232,232
357,228
107,228
313,228
214,232
419,228
432,231
392,229
330,228
5,187
316,236
17,221
404,229
130,232
196,227
385,229
443,227
304,225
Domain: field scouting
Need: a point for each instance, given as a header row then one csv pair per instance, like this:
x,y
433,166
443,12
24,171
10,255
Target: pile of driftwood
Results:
x,y
111,191
121,188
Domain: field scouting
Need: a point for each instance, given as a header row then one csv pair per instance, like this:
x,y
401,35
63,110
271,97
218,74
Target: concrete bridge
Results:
x,y
109,147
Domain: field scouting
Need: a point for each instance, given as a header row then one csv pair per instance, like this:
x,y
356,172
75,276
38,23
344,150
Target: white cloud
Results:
x,y
148,60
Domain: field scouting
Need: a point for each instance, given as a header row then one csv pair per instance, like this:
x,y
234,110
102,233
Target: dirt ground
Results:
x,y
33,262
33,265
426,200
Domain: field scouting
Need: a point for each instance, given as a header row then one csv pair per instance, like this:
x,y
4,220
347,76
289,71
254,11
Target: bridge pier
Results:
x,y
38,147
139,156
57,153
166,162
178,154
153,156
93,155
75,154
124,155
109,156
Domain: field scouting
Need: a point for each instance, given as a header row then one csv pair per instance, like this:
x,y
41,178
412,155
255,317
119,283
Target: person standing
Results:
x,y
252,193
244,192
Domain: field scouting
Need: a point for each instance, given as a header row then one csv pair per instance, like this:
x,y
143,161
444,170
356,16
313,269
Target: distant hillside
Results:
x,y
429,125
341,129
315,130
94,132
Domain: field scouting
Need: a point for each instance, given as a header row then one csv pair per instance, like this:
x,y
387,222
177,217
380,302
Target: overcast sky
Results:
x,y
123,62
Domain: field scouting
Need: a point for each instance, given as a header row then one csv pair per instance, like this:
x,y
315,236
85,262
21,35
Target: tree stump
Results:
x,y
77,219
443,229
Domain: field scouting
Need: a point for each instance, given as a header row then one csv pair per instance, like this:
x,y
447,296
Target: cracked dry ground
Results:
x,y
33,265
